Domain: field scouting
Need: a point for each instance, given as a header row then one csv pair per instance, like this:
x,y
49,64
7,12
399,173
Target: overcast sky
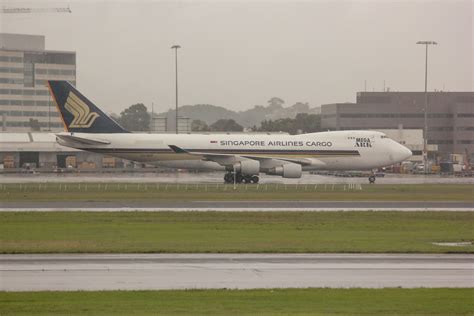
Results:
x,y
238,54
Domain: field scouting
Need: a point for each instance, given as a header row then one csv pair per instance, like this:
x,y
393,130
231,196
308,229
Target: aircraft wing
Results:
x,y
232,158
222,159
82,140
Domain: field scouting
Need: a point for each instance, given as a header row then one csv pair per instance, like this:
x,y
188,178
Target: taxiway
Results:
x,y
190,271
152,206
217,177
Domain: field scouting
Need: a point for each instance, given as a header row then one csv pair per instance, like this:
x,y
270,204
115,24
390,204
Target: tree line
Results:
x,y
137,118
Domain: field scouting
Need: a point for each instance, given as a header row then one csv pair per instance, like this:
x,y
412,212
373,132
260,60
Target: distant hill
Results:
x,y
210,113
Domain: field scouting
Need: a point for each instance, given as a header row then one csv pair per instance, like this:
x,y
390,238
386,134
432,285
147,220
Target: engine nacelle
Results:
x,y
248,167
289,170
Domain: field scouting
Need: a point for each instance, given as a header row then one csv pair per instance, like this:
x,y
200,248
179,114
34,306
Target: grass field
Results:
x,y
234,232
250,192
243,302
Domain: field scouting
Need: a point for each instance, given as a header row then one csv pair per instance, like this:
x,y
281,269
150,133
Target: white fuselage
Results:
x,y
338,150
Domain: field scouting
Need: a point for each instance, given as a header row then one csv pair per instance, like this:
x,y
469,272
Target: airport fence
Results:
x,y
175,187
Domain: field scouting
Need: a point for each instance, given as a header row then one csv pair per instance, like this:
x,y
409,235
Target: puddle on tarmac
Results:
x,y
453,244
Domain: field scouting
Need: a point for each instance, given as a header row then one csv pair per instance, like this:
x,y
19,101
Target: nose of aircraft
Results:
x,y
402,153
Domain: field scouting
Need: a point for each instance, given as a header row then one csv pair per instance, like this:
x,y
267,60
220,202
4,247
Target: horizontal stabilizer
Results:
x,y
82,140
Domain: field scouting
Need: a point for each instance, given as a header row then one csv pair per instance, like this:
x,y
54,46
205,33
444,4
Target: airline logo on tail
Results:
x,y
83,117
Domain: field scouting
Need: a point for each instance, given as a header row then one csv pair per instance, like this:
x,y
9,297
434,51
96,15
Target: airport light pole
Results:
x,y
175,47
49,112
425,129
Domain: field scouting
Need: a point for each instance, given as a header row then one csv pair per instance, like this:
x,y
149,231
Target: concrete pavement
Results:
x,y
186,271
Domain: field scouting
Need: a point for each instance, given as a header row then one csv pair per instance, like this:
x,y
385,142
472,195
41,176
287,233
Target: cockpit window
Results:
x,y
383,136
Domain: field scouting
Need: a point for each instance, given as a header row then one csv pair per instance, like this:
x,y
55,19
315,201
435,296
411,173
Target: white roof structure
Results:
x,y
41,142
412,138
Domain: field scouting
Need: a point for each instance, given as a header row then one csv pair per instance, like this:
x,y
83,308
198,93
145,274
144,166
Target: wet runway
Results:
x,y
189,271
236,206
217,177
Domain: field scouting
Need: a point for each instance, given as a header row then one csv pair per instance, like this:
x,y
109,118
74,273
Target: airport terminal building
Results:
x,y
25,66
450,116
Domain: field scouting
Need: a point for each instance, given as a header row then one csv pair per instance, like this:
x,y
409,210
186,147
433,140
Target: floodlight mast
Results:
x,y
176,47
425,129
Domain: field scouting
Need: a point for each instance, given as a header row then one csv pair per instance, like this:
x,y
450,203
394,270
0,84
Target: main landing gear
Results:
x,y
240,178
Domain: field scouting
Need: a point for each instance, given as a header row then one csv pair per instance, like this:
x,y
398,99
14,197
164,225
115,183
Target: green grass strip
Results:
x,y
234,232
249,192
393,301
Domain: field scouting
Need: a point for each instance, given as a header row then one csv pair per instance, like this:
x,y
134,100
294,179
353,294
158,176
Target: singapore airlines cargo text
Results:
x,y
273,143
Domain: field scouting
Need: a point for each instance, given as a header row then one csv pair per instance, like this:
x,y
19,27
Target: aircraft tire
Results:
x,y
255,179
250,179
372,179
239,178
229,178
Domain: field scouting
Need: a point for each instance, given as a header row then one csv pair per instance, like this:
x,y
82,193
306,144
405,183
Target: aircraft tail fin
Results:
x,y
78,113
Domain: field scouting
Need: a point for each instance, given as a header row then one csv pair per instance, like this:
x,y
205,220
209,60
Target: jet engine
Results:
x,y
289,170
248,167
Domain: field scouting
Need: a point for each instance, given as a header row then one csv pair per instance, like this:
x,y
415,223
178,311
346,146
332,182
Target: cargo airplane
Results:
x,y
242,156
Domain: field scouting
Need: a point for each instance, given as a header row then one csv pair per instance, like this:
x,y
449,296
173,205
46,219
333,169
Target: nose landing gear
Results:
x,y
240,178
372,179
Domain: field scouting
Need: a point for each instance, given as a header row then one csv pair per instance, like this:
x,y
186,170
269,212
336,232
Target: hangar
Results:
x,y
40,150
